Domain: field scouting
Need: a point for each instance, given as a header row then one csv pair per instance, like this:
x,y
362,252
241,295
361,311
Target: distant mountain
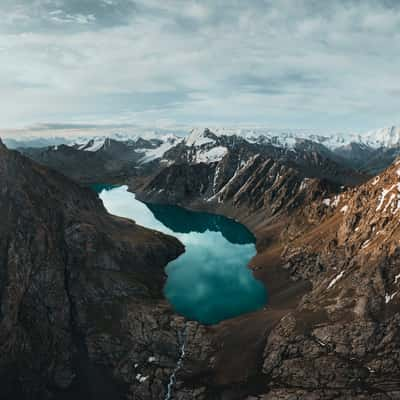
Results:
x,y
100,159
34,142
385,137
111,159
286,138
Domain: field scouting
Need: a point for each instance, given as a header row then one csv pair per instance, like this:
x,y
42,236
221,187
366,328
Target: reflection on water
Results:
x,y
210,281
179,220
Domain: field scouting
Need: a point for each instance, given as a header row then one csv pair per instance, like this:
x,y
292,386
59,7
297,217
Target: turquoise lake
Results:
x,y
210,282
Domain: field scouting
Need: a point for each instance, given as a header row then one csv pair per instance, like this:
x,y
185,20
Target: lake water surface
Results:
x,y
210,282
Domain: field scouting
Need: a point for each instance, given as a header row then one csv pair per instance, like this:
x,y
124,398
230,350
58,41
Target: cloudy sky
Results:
x,y
288,63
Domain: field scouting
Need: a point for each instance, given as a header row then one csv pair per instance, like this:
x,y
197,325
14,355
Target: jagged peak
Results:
x,y
198,137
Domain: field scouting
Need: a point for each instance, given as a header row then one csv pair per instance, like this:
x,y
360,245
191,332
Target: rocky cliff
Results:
x,y
342,339
259,191
82,315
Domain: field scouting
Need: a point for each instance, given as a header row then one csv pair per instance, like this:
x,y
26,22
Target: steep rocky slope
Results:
x,y
101,159
259,191
312,159
82,315
342,340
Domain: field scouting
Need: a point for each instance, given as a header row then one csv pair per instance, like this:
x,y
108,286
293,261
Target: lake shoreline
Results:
x,y
250,331
266,264
218,249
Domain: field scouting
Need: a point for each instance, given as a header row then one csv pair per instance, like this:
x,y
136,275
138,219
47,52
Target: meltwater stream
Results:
x,y
210,282
172,378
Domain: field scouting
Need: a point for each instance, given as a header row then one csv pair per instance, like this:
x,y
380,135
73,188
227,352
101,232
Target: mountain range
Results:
x,y
368,153
325,213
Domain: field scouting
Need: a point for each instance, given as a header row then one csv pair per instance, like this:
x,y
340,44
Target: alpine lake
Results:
x,y
211,281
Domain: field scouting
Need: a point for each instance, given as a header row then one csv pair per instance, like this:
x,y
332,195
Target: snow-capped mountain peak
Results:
x,y
384,137
199,137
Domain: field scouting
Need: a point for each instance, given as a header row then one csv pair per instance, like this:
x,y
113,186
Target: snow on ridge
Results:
x,y
213,155
198,137
389,297
158,152
383,196
335,280
384,137
82,141
287,138
284,138
95,145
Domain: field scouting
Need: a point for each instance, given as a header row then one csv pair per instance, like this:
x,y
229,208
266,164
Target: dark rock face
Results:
x,y
113,161
256,185
81,309
369,160
342,340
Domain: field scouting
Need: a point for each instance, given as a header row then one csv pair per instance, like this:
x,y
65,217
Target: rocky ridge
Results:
x,y
344,333
117,159
260,186
82,313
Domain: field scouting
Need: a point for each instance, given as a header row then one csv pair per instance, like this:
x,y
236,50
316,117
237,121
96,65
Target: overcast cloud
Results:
x,y
288,63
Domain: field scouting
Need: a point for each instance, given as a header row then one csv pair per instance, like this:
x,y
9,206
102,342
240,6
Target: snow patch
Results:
x,y
198,138
304,184
336,201
213,155
382,197
94,145
140,378
158,152
376,180
389,297
334,280
389,203
326,202
366,244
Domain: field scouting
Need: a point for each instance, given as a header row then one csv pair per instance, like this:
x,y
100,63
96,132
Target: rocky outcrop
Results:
x,y
82,314
342,339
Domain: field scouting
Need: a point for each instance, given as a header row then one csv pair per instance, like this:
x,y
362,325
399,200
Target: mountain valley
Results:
x,y
325,214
